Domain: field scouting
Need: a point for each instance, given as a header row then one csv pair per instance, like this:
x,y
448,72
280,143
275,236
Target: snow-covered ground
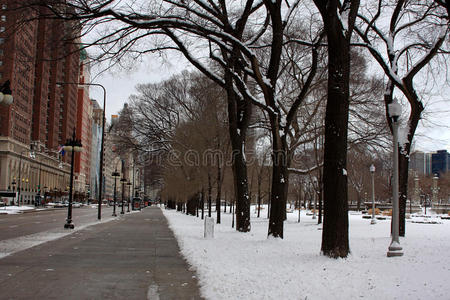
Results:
x,y
236,265
14,209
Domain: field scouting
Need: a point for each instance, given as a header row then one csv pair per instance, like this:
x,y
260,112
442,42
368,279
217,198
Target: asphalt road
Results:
x,y
13,226
136,256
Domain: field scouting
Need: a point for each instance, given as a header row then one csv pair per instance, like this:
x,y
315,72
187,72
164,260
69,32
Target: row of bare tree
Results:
x,y
275,55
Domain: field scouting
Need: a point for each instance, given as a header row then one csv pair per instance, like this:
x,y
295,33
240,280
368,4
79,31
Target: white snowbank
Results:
x,y
15,209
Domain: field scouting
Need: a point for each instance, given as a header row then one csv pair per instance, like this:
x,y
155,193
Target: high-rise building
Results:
x,y
420,162
83,127
36,56
17,64
440,162
97,113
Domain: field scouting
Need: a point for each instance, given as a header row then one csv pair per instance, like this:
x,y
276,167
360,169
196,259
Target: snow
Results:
x,y
237,265
403,137
14,209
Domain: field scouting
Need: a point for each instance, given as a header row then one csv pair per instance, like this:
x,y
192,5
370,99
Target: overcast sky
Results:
x,y
433,132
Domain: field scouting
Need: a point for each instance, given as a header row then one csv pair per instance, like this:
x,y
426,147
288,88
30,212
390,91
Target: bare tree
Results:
x,y
415,35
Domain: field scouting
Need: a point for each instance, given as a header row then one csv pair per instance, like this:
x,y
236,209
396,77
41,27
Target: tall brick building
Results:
x,y
84,126
35,59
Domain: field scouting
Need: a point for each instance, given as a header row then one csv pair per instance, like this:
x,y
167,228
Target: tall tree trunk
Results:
x,y
225,203
232,214
219,192
209,194
269,189
239,112
403,163
280,177
319,218
197,196
203,203
259,194
335,226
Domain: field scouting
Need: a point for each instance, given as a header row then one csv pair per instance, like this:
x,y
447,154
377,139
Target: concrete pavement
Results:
x,y
133,257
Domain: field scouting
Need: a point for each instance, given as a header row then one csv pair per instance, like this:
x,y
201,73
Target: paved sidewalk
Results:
x,y
133,257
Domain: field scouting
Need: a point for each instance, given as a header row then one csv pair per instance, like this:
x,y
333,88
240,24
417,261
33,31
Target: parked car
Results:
x,y
58,204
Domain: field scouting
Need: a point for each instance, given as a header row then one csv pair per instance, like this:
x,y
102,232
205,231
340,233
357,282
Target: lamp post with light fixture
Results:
x,y
395,110
13,183
372,172
102,145
123,180
129,195
72,145
116,175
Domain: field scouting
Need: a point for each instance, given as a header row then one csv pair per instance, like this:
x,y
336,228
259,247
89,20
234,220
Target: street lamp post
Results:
x,y
72,145
13,183
123,180
116,175
372,172
129,195
45,195
395,249
314,197
102,145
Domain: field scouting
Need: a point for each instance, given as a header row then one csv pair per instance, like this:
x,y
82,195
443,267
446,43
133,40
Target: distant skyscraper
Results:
x,y
420,162
84,126
97,112
440,162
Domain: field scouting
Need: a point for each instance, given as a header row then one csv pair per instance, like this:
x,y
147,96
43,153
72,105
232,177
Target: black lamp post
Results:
x,y
72,145
102,145
123,180
45,195
372,172
129,195
13,183
116,175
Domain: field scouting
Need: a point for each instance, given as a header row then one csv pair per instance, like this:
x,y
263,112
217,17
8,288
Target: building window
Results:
x,y
4,6
2,41
1,62
2,29
3,18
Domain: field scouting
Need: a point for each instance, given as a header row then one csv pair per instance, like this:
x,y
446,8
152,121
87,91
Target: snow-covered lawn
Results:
x,y
249,266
